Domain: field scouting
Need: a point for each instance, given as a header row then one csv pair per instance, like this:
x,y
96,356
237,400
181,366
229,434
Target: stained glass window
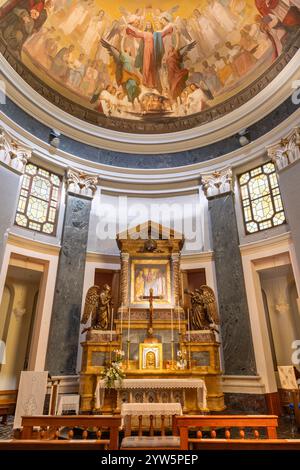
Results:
x,y
39,200
261,200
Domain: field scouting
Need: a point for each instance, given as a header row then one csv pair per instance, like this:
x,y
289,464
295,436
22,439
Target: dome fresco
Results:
x,y
154,67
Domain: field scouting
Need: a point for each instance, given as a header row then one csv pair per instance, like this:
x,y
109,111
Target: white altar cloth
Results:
x,y
151,409
158,384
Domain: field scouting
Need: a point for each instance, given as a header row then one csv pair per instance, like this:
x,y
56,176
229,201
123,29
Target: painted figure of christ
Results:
x,y
150,53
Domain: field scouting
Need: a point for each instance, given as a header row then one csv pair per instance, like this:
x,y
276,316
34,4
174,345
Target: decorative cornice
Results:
x,y
81,183
279,241
33,245
287,151
217,183
12,152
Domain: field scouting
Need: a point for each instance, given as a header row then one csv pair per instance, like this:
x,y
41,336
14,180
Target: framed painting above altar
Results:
x,y
150,274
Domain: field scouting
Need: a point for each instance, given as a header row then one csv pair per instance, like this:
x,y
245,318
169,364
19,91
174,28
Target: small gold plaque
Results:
x,y
150,356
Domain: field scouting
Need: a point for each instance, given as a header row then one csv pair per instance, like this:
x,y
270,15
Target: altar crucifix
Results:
x,y
151,298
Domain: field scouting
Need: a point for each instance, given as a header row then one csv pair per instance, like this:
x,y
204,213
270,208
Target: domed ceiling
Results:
x,y
154,67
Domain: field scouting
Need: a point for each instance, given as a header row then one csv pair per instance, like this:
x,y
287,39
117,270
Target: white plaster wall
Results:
x,y
16,342
284,317
46,256
256,257
185,213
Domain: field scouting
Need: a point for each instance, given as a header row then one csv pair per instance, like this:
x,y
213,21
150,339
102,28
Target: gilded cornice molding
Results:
x,y
80,183
287,151
217,183
12,152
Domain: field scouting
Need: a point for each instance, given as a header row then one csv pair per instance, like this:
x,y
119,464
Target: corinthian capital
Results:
x,y
219,182
12,152
81,183
287,150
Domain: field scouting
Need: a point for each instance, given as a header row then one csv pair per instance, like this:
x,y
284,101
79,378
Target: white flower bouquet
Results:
x,y
113,374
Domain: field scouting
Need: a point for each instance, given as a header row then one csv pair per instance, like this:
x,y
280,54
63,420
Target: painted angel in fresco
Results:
x,y
98,304
125,73
204,309
177,74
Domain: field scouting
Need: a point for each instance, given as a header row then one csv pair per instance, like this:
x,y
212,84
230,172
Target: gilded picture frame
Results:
x,y
150,274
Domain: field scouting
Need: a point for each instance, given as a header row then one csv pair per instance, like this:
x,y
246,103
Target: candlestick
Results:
x,y
189,340
121,326
111,324
128,353
172,352
128,335
189,329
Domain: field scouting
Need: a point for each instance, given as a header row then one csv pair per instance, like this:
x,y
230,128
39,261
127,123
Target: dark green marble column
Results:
x,y
236,332
62,349
13,159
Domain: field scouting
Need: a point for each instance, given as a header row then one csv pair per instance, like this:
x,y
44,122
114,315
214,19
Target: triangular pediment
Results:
x,y
150,230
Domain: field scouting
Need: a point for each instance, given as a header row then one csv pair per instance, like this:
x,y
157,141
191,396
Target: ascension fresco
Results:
x,y
140,61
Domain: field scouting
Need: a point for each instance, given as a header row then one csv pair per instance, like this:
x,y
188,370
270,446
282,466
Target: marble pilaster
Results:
x,y
236,332
65,322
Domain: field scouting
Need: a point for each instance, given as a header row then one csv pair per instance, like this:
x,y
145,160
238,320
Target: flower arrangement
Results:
x,y
181,360
113,372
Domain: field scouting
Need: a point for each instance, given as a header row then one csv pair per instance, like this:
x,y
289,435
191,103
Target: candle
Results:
x,y
121,327
179,326
172,331
111,325
128,324
189,336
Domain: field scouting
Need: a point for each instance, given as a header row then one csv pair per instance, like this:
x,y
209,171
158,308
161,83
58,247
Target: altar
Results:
x,y
165,358
162,390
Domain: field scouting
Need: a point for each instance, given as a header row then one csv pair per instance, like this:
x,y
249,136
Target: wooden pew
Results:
x,y
211,423
49,428
8,400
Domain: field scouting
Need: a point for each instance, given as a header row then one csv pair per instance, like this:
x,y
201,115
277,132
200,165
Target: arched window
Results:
x,y
261,199
39,200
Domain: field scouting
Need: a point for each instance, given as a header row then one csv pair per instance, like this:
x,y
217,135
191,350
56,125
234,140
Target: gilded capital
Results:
x,y
12,152
287,151
81,183
218,182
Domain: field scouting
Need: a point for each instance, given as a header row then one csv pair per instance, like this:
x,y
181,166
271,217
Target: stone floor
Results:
x,y
286,429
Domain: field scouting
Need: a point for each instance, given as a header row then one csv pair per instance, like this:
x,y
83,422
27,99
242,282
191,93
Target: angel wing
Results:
x,y
113,51
182,28
116,28
91,304
115,54
183,51
124,12
209,300
173,9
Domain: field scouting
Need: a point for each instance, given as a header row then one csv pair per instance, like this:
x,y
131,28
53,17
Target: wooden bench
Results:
x,y
8,400
49,428
210,424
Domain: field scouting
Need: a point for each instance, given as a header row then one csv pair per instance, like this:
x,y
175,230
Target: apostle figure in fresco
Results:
x,y
94,32
150,53
287,14
60,64
78,14
223,16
